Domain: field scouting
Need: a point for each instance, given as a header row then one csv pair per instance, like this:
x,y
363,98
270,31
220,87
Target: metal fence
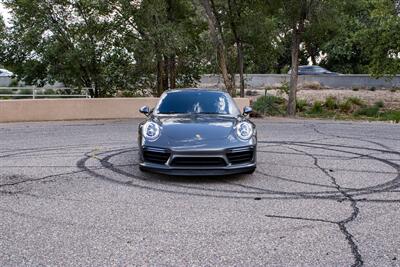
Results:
x,y
41,93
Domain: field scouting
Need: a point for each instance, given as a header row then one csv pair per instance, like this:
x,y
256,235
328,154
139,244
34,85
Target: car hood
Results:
x,y
197,127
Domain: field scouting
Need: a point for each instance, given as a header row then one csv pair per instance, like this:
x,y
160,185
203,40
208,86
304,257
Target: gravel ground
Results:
x,y
324,194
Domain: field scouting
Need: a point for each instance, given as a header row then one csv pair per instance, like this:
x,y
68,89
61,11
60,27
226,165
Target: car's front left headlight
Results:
x,y
151,130
244,130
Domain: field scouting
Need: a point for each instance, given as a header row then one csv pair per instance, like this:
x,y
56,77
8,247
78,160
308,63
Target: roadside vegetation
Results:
x,y
351,108
131,48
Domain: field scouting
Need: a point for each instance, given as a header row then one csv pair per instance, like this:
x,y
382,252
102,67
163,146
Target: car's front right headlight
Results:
x,y
151,130
244,130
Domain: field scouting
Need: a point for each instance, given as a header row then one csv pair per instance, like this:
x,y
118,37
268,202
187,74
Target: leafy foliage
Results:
x,y
269,105
147,46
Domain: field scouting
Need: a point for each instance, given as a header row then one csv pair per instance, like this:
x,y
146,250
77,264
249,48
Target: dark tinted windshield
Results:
x,y
200,102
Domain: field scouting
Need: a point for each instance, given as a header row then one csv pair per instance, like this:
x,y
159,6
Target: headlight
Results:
x,y
244,130
151,130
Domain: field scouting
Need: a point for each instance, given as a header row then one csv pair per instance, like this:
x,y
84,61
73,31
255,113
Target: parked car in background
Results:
x,y
197,132
314,70
6,73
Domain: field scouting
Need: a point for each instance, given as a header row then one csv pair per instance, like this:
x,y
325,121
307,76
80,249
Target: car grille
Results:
x,y
198,162
158,156
239,157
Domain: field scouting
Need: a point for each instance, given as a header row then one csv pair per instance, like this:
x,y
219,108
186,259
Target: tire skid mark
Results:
x,y
358,261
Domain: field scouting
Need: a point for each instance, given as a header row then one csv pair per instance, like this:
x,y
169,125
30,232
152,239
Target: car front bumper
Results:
x,y
207,162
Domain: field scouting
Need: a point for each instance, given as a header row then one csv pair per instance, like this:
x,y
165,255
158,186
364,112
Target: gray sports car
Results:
x,y
197,132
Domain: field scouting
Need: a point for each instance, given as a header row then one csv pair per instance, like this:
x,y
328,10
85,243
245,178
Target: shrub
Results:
x,y
331,103
27,92
370,111
350,104
355,89
13,83
284,88
251,93
345,106
6,92
49,92
394,89
317,107
356,101
391,115
270,105
372,88
313,85
301,105
379,104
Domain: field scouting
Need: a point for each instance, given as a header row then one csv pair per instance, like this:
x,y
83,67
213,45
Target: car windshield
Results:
x,y
198,102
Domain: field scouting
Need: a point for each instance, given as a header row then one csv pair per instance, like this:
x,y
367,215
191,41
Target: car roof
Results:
x,y
196,90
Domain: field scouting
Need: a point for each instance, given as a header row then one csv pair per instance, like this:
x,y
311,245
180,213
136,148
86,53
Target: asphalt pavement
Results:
x,y
324,194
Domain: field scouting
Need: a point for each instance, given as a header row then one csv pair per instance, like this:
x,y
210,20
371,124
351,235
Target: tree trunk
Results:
x,y
241,67
160,70
172,72
165,83
235,15
218,43
291,108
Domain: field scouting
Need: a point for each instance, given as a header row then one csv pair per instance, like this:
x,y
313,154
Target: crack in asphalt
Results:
x,y
344,193
342,224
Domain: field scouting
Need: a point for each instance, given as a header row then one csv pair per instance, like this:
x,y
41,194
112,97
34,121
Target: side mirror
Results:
x,y
145,110
247,110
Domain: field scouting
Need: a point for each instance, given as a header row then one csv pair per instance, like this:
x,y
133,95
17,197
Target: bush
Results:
x,y
356,101
301,105
313,85
49,92
284,89
373,89
345,106
270,105
394,89
371,111
251,93
350,104
6,92
27,92
391,115
379,104
355,89
13,83
331,103
317,107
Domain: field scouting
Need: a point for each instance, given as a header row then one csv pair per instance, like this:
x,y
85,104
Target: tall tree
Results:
x,y
381,39
165,38
218,41
297,17
67,41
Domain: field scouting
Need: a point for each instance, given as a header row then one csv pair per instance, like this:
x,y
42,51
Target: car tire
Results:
x,y
142,169
251,171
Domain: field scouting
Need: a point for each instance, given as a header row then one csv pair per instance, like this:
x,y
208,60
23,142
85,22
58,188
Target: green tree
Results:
x,y
297,18
3,44
381,39
67,41
165,38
